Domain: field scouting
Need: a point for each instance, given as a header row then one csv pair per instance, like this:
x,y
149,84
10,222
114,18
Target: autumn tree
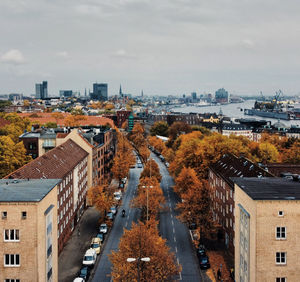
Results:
x,y
151,169
57,116
196,208
157,143
144,153
159,128
101,198
187,179
12,155
155,196
292,155
267,152
176,129
141,241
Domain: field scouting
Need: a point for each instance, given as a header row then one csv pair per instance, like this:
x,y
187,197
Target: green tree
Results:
x,y
159,128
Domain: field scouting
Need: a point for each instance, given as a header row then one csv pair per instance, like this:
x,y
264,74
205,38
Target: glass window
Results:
x,y
280,232
11,260
11,235
280,258
280,279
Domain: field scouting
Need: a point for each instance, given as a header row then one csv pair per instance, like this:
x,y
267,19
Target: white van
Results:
x,y
90,257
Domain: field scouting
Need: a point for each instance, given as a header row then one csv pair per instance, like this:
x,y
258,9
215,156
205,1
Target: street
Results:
x,y
103,268
176,233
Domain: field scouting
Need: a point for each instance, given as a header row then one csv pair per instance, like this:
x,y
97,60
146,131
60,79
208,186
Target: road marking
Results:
x,y
174,239
176,249
173,230
126,224
172,222
180,277
171,215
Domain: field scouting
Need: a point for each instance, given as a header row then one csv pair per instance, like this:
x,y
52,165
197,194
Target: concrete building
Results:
x,y
222,96
99,92
222,192
67,162
41,90
237,130
28,222
267,230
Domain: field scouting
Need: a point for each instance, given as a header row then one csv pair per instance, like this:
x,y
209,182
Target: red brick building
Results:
x,y
67,162
122,116
222,191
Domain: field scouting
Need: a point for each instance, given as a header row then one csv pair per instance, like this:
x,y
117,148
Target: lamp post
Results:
x,y
147,187
138,264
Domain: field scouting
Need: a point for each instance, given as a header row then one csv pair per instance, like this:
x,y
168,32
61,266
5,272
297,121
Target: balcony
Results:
x,y
49,144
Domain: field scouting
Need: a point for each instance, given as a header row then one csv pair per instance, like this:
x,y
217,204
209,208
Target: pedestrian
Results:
x,y
78,231
219,274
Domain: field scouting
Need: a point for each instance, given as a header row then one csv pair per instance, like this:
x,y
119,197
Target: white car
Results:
x,y
90,257
78,279
103,228
113,209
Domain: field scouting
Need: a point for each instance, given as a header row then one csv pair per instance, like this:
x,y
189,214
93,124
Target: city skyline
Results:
x,y
165,48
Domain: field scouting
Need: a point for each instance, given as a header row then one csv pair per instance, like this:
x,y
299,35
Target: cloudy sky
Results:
x,y
161,46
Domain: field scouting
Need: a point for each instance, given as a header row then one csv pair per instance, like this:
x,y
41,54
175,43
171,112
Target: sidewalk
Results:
x,y
70,259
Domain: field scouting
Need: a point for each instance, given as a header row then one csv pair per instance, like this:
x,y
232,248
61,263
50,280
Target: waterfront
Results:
x,y
235,110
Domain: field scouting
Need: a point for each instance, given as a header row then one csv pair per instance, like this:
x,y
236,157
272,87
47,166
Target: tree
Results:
x,y
51,125
155,197
101,198
292,155
268,153
121,166
57,116
12,156
159,128
142,240
77,112
151,169
187,179
144,153
157,143
176,129
196,208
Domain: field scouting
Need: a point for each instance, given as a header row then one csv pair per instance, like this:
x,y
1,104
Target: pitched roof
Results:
x,y
269,188
31,190
54,164
48,117
61,135
230,165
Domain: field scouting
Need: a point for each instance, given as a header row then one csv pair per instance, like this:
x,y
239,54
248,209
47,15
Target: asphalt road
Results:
x,y
176,233
103,268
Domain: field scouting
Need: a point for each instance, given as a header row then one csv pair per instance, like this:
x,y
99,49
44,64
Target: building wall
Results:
x,y
31,145
244,201
32,244
267,244
42,150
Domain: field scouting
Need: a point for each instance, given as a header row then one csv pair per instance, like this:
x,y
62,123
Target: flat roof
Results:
x,y
24,190
269,188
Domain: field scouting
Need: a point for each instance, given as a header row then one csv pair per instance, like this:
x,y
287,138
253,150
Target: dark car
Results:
x,y
84,273
204,262
101,236
110,216
201,251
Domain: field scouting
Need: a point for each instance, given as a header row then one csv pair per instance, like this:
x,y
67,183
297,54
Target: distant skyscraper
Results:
x,y
194,95
222,96
120,91
65,93
41,90
142,93
99,92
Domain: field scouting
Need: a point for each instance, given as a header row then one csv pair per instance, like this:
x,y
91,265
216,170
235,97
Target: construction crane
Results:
x,y
262,96
277,97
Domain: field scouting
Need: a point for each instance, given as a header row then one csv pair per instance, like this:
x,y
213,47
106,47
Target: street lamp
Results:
x,y
146,259
147,187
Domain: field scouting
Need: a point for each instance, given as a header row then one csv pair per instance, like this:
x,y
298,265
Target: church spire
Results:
x,y
120,91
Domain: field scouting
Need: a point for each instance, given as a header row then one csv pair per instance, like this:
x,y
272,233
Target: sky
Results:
x,y
165,47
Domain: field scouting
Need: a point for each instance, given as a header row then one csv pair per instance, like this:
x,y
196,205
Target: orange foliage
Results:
x,y
187,179
139,242
151,169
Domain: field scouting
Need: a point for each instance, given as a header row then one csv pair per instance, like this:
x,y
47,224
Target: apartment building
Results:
x,y
68,162
228,129
28,222
267,230
222,192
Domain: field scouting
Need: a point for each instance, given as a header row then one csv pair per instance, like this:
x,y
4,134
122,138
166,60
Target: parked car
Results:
x,y
110,216
84,273
117,198
167,164
204,262
140,165
101,236
78,279
201,251
89,258
96,245
124,180
114,210
103,228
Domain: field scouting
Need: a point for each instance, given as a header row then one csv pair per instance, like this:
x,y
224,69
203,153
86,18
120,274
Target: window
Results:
x,y
11,235
280,258
280,279
11,260
280,232
24,214
11,280
4,215
280,213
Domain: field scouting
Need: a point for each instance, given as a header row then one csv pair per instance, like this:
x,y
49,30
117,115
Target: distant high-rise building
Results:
x,y
222,96
194,95
120,91
41,90
65,93
99,92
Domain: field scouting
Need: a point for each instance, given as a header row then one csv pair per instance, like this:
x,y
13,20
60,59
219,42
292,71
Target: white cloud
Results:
x,y
13,56
122,54
248,43
63,54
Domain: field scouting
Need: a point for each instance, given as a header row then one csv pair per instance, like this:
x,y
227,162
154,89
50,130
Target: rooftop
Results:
x,y
230,165
269,188
24,190
54,164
